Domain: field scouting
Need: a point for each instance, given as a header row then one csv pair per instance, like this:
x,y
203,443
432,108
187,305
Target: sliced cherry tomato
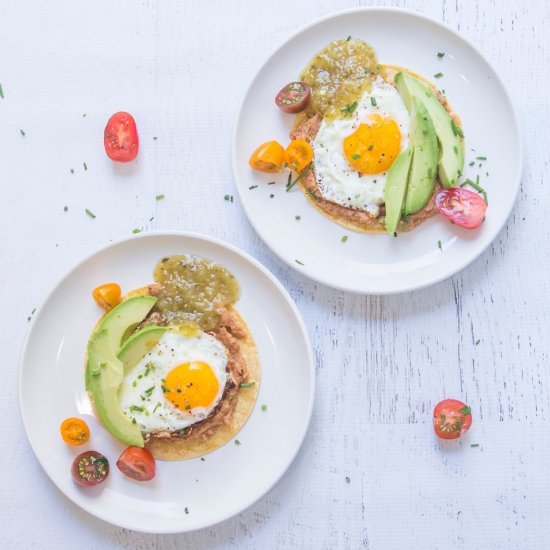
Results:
x,y
74,431
90,468
121,138
107,296
298,154
294,97
452,419
137,463
462,206
268,157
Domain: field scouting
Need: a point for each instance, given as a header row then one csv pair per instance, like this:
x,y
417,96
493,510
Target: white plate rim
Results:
x,y
516,177
289,301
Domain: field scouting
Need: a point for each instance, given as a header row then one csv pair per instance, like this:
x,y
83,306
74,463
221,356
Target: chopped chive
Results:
x,y
155,138
203,459
187,407
72,170
149,391
370,147
1,92
472,163
90,213
159,197
344,238
22,132
253,187
465,410
237,442
440,246
477,187
373,101
137,230
247,384
349,108
228,198
348,480
474,445
271,196
438,75
264,408
440,54
151,218
290,184
348,38
85,166
481,158
297,217
299,262
65,208
156,407
136,408
355,156
186,510
83,115
457,130
271,182
477,342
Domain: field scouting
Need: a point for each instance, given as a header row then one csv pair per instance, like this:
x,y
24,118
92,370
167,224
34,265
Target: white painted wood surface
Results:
x,y
382,363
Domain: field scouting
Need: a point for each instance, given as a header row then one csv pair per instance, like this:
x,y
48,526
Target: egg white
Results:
x,y
174,348
338,181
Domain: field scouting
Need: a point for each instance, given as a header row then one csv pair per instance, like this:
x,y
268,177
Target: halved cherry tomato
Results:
x,y
74,431
137,463
107,296
298,154
294,97
461,206
90,468
452,419
121,138
268,157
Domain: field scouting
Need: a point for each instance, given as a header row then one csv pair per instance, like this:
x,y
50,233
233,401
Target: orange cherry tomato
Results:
x,y
268,157
298,154
107,295
452,419
74,431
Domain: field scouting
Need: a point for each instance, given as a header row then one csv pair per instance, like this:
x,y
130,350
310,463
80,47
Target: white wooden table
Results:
x,y
181,68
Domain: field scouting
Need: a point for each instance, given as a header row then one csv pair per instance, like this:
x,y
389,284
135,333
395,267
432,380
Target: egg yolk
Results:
x,y
374,146
191,385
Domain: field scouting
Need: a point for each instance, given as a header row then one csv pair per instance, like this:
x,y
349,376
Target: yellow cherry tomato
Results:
x,y
107,295
268,157
74,431
298,154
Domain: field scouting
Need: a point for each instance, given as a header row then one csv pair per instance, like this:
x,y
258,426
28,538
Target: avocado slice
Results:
x,y
138,344
122,320
451,153
105,372
424,161
396,189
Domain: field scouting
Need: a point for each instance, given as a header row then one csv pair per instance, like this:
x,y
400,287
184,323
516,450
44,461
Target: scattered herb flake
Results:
x,y
137,230
228,198
1,92
83,115
477,342
271,196
65,208
155,138
298,217
253,187
438,75
22,132
465,410
264,407
136,408
203,459
440,246
481,158
186,510
299,262
457,130
370,147
247,384
237,442
440,54
472,163
477,187
271,182
356,156
151,218
290,184
72,170
85,166
348,38
373,101
344,238
349,108
90,213
159,197
156,407
348,480
474,445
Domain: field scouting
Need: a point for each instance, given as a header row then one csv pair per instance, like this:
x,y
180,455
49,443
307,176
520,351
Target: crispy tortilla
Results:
x,y
359,220
204,438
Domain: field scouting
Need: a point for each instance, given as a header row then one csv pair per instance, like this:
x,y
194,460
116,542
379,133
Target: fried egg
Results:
x,y
179,382
353,153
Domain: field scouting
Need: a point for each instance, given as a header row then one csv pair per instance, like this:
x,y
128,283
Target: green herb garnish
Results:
x,y
457,130
477,342
271,196
370,147
136,230
474,445
1,92
136,408
72,170
348,38
440,54
440,246
65,208
290,184
237,442
85,166
90,213
253,187
156,407
264,408
297,217
348,480
247,384
477,187
481,158
186,510
438,75
465,410
373,101
356,156
299,262
22,132
159,197
349,108
344,238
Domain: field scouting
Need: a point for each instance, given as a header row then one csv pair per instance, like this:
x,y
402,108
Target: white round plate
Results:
x,y
380,264
184,495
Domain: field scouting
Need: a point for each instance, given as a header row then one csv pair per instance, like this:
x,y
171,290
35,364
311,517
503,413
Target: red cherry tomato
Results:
x,y
121,138
137,463
452,419
294,97
461,206
90,468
